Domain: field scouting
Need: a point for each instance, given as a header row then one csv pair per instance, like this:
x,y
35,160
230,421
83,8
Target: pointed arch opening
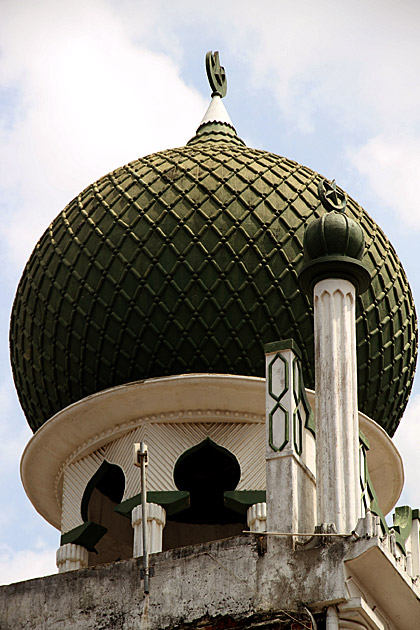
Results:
x,y
206,471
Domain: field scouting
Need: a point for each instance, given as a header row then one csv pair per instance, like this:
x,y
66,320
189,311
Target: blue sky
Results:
x,y
90,85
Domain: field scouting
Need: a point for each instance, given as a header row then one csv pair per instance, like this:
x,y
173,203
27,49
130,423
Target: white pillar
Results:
x,y
257,517
71,557
337,422
156,519
290,449
412,546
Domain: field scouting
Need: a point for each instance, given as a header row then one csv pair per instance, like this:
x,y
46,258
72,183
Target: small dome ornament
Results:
x,y
333,244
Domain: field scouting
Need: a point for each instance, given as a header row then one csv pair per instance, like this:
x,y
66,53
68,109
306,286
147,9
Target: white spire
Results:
x,y
216,112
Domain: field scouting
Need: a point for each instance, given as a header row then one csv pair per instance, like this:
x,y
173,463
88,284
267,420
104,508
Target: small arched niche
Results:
x,y
103,493
206,471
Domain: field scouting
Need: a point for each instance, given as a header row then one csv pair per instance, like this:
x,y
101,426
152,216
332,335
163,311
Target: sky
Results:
x,y
89,85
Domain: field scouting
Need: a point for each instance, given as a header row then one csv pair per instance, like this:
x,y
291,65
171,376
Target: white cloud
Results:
x,y
392,168
407,440
89,96
25,564
89,100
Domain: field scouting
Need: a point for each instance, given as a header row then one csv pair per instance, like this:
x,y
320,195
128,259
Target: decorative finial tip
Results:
x,y
216,74
332,198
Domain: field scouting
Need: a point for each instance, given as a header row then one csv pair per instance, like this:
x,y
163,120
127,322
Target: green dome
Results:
x,y
187,260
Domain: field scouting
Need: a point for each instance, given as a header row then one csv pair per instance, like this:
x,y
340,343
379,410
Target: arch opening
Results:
x,y
206,471
103,493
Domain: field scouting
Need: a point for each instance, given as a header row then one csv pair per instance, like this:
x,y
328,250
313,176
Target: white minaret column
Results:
x,y
337,422
333,277
290,446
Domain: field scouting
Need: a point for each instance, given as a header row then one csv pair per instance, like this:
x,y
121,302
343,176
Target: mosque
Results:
x,y
223,342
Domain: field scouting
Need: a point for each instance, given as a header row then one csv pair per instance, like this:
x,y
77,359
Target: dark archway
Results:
x,y
102,494
109,480
206,471
207,467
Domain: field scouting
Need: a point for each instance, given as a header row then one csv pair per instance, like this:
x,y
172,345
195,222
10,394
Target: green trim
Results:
x,y
369,494
303,399
310,416
297,418
363,471
270,428
270,377
403,520
363,439
375,509
210,128
279,346
296,379
297,431
173,501
278,404
241,500
86,535
299,396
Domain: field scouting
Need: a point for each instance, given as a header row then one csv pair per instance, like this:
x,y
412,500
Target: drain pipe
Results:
x,y
140,460
332,618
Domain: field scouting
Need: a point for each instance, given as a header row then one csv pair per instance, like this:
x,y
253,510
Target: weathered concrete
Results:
x,y
224,580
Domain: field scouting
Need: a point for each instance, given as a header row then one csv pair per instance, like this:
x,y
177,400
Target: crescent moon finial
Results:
x,y
332,199
216,74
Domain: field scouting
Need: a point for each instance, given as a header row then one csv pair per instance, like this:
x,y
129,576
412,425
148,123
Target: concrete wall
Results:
x,y
224,584
209,581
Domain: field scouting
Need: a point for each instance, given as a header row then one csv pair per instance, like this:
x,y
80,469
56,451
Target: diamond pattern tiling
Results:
x,y
187,261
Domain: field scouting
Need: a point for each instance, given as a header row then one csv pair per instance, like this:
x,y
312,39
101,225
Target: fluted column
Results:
x,y
156,519
257,517
333,275
337,424
71,557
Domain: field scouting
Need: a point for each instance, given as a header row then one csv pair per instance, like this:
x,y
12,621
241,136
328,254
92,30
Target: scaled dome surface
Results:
x,y
186,261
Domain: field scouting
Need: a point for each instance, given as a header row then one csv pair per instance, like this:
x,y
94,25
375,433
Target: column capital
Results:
x,y
340,267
